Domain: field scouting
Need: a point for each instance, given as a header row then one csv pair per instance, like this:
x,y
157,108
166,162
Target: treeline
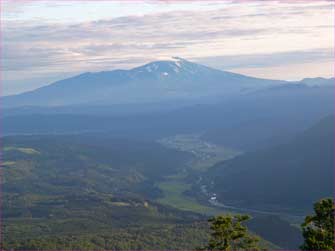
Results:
x,y
155,237
227,232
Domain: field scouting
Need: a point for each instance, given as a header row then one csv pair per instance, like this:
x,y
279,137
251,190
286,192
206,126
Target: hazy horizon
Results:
x,y
44,42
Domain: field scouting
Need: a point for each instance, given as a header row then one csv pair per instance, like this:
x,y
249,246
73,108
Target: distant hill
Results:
x,y
291,175
271,116
247,122
170,80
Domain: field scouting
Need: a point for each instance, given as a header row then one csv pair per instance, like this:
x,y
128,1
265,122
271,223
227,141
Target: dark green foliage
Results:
x,y
96,190
151,237
318,229
228,233
291,176
84,192
67,164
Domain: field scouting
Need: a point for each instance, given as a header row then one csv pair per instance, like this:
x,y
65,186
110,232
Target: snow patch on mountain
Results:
x,y
174,65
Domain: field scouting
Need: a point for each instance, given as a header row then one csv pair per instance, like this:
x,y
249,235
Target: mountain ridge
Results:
x,y
176,80
153,82
280,175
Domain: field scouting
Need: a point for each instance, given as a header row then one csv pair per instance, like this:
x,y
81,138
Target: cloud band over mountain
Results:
x,y
232,35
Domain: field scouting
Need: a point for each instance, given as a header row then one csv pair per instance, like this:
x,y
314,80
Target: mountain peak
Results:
x,y
166,79
178,59
174,65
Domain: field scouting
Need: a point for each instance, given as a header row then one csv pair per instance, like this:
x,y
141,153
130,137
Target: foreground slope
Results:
x,y
291,175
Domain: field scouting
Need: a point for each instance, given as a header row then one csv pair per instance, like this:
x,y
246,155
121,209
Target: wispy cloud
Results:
x,y
225,34
268,60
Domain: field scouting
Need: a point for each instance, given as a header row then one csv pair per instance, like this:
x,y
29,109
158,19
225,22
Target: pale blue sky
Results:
x,y
44,41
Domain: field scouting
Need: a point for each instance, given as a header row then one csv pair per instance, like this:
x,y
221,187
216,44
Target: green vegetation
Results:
x,y
175,187
8,163
229,233
308,158
68,164
174,195
25,150
205,154
318,229
163,236
91,192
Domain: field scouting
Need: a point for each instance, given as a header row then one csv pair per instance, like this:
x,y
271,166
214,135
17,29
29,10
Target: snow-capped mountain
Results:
x,y
170,68
175,79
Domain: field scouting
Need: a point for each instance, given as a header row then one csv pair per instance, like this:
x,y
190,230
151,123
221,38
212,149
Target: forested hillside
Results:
x,y
290,175
100,192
